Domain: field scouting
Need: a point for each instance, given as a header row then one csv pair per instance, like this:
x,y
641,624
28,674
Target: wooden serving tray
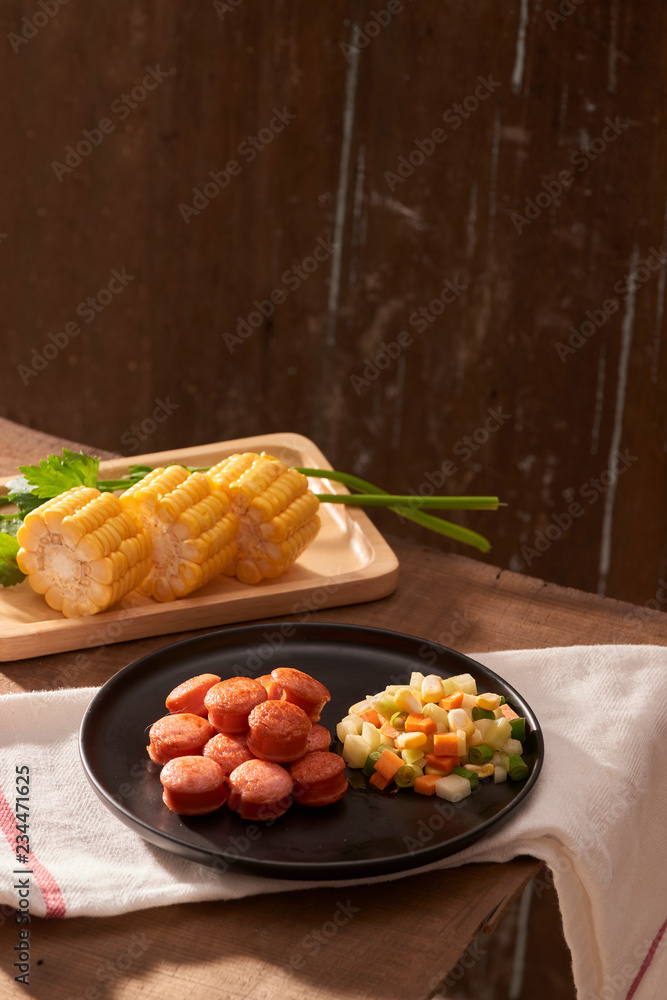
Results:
x,y
348,563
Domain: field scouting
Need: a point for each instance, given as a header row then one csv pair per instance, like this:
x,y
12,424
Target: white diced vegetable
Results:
x,y
453,788
432,689
407,701
414,757
499,775
385,741
476,739
500,759
483,725
465,683
498,731
355,750
468,703
416,680
461,744
512,746
372,735
351,724
359,707
449,684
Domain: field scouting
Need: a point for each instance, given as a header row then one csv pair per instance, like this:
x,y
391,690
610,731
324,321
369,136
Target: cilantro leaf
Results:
x,y
54,475
10,574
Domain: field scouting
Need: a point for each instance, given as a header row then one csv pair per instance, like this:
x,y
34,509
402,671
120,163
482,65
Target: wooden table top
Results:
x,y
242,948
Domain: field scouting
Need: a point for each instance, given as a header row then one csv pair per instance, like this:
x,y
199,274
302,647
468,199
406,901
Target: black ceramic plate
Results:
x,y
367,832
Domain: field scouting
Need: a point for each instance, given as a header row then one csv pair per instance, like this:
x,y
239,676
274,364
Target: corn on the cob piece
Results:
x,y
277,513
82,551
192,527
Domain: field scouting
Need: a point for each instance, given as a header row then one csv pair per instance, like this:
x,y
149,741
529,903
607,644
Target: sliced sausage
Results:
x,y
278,731
302,690
193,785
229,703
228,750
319,738
319,779
178,735
189,696
260,790
272,689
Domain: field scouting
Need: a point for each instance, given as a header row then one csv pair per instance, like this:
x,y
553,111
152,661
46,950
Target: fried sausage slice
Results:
x,y
260,790
178,735
193,786
228,750
278,731
319,779
302,690
189,696
229,703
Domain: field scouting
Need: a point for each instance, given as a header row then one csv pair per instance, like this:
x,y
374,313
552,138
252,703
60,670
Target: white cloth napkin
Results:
x,y
597,815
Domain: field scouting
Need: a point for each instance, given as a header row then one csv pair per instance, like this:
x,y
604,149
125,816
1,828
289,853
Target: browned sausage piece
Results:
x,y
189,696
178,735
319,738
228,750
229,703
272,689
319,779
193,785
278,731
302,690
260,790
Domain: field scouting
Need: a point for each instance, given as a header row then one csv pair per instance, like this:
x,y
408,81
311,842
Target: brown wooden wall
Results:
x,y
532,204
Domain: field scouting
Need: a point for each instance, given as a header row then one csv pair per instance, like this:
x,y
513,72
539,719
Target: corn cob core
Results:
x,y
277,513
192,527
82,551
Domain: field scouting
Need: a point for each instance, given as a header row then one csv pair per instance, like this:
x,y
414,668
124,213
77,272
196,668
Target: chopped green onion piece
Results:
x,y
373,756
406,775
481,713
410,503
502,700
472,776
518,769
518,729
398,720
480,754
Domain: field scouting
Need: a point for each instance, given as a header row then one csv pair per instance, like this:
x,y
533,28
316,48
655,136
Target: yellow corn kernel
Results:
x,y
407,701
278,514
192,526
489,702
410,741
82,551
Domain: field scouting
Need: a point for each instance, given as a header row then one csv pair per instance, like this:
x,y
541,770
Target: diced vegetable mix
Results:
x,y
436,735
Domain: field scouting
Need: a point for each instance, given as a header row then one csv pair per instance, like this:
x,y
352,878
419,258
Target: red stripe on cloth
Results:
x,y
51,894
647,961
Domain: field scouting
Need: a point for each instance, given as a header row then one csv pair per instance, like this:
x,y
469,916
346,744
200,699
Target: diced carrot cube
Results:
x,y
378,781
444,764
454,700
388,730
446,745
370,715
420,724
388,764
425,783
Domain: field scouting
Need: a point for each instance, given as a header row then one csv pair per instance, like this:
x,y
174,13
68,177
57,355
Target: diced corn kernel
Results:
x,y
432,689
489,702
439,716
468,702
416,680
483,770
407,701
462,747
355,750
410,741
453,788
351,724
476,739
458,718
